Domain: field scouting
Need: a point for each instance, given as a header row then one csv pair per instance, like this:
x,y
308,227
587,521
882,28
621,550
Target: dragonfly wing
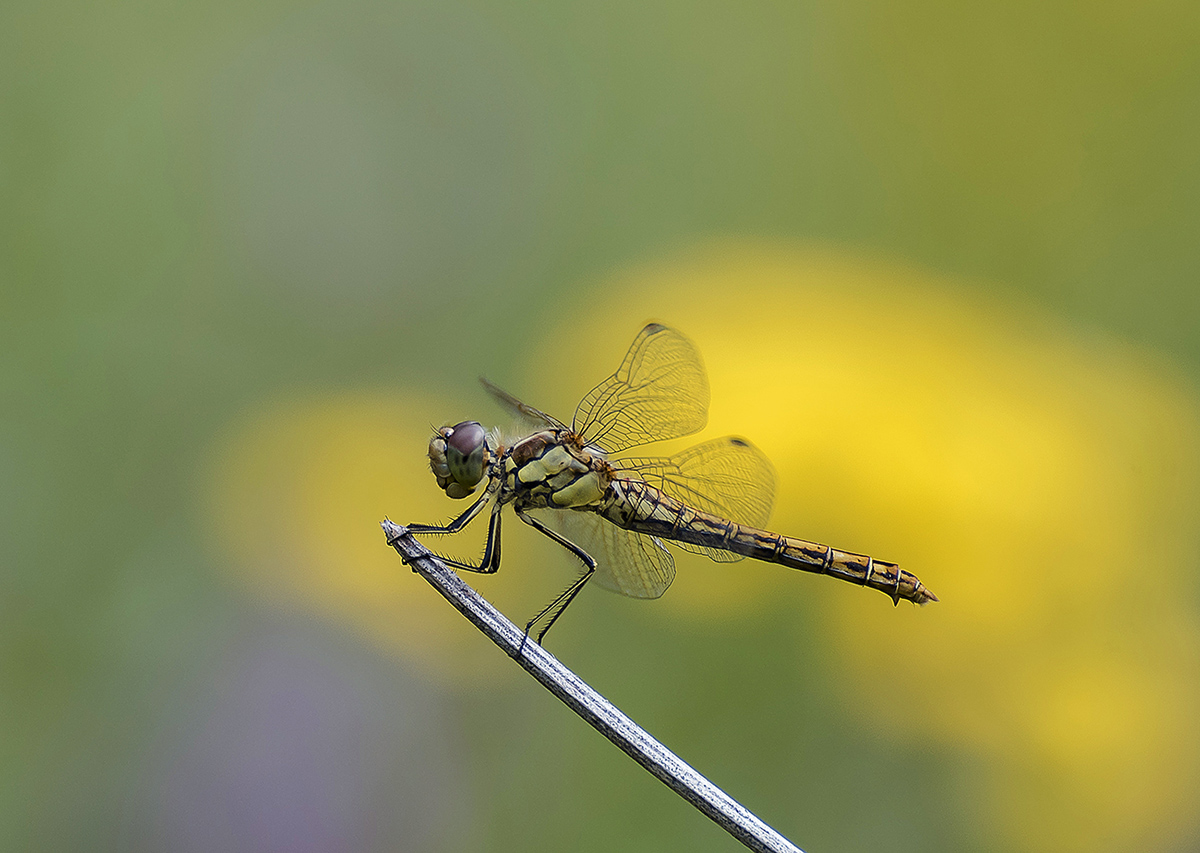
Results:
x,y
660,391
630,563
525,414
728,477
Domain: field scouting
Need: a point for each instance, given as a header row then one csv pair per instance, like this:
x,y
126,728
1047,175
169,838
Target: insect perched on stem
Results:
x,y
712,499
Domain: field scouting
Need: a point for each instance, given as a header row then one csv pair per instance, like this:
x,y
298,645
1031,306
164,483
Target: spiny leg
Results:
x,y
558,605
491,551
458,523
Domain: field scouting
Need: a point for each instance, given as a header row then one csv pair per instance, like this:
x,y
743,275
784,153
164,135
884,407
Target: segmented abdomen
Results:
x,y
638,506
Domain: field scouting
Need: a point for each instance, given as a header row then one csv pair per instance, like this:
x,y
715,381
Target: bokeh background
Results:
x,y
942,262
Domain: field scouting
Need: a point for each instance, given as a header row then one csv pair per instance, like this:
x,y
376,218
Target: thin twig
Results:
x,y
601,714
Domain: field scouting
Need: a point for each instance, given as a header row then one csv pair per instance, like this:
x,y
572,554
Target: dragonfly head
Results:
x,y
460,455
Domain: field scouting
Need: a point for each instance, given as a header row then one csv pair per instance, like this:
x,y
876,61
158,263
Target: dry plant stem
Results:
x,y
601,714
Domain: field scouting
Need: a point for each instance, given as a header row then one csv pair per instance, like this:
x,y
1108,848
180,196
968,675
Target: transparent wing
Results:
x,y
525,414
728,477
629,563
660,391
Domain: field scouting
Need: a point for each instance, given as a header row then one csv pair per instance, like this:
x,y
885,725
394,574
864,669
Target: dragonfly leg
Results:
x,y
458,523
558,605
491,552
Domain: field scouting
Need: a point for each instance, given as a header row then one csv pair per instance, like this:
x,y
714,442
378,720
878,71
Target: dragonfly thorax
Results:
x,y
554,469
460,456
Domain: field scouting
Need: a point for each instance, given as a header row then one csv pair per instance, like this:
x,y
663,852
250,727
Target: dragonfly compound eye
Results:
x,y
459,457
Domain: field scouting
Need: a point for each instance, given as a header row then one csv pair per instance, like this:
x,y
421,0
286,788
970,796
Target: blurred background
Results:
x,y
941,260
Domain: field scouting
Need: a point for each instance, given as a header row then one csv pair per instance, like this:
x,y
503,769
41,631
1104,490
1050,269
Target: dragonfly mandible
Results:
x,y
614,513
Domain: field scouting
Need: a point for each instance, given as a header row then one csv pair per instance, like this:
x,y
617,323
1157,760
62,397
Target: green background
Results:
x,y
207,205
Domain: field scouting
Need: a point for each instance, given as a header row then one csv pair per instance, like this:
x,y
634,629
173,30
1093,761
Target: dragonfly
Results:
x,y
616,513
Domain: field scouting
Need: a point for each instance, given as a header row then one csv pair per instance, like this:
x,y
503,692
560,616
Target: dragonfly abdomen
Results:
x,y
648,510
